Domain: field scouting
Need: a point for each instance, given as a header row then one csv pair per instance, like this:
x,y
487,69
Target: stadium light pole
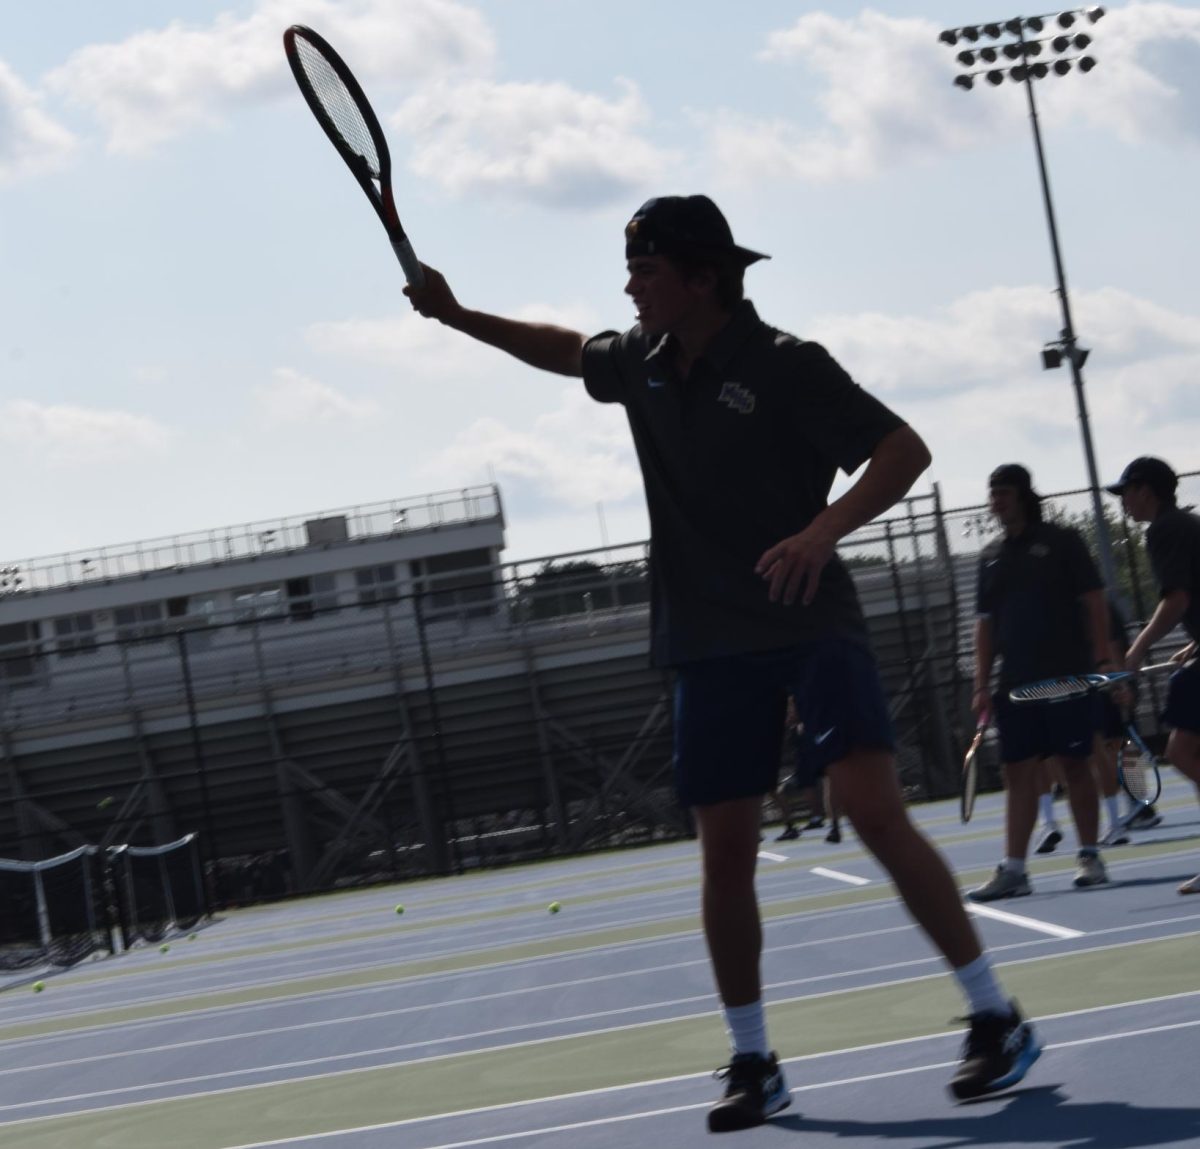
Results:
x,y
1000,49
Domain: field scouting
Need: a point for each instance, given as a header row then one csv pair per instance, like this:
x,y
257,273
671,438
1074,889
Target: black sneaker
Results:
x,y
789,835
997,1053
754,1089
1051,840
834,835
1145,819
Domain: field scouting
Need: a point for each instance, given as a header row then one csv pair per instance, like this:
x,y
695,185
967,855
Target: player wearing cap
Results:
x,y
1147,488
1041,608
740,429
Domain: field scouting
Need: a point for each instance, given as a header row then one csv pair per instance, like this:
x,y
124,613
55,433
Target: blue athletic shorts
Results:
x,y
729,715
1183,698
1043,730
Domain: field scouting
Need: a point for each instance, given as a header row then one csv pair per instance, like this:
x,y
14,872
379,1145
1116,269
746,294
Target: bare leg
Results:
x,y
865,787
1084,799
1020,811
729,904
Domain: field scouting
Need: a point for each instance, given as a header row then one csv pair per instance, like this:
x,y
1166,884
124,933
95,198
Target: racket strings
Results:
x,y
1051,691
338,104
1139,775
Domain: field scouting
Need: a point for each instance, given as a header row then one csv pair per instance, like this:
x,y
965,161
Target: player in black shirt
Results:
x,y
1147,488
1042,609
739,429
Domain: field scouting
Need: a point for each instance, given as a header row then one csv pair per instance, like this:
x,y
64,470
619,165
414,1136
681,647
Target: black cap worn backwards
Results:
x,y
1154,473
1013,475
683,225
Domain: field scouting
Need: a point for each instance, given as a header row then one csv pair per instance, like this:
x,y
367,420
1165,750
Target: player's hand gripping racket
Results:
x,y
1137,769
342,110
970,770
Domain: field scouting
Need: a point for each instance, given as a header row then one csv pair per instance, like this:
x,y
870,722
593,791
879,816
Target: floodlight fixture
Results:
x,y
1043,36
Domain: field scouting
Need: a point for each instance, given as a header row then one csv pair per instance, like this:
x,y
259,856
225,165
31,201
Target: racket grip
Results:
x,y
408,261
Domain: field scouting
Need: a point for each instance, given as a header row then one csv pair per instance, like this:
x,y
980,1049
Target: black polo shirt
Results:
x,y
735,458
1173,541
1030,587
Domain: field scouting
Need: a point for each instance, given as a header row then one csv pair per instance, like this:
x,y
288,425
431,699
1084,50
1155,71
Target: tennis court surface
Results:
x,y
478,1018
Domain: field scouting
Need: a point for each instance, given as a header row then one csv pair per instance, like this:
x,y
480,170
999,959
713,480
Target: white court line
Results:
x,y
838,876
773,857
1026,923
498,1139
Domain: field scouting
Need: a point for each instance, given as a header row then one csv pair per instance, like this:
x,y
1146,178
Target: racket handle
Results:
x,y
408,261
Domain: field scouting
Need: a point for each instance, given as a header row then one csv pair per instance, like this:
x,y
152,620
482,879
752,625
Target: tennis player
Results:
x,y
1148,488
1042,608
739,429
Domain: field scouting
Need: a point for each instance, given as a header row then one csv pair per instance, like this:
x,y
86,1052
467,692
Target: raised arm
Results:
x,y
541,345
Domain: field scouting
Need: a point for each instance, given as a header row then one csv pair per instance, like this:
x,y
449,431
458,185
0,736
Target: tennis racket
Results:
x,y
970,771
1137,769
341,108
1067,687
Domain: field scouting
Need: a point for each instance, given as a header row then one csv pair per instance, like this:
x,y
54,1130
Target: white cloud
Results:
x,y
574,456
547,142
71,436
996,334
158,84
30,140
1147,83
295,398
886,97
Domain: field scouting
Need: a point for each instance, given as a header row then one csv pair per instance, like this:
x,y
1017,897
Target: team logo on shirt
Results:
x,y
737,397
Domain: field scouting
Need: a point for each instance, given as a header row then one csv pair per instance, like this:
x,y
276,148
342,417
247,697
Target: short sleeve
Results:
x,y
834,413
1170,556
604,373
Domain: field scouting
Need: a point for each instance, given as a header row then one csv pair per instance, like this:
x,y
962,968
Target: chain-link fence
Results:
x,y
463,719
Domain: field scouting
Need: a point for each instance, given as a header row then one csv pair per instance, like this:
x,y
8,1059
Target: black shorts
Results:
x,y
729,715
1183,698
1044,730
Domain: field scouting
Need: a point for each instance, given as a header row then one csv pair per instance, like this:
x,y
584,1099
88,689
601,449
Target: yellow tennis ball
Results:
x,y
38,986
164,948
554,907
399,909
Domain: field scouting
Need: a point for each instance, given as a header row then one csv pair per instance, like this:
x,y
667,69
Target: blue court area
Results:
x,y
478,1018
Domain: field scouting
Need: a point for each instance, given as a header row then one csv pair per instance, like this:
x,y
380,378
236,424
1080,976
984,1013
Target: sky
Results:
x,y
202,323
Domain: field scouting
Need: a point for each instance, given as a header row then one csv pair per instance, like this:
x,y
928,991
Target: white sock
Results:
x,y
747,1025
1114,813
980,987
1014,865
1046,811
